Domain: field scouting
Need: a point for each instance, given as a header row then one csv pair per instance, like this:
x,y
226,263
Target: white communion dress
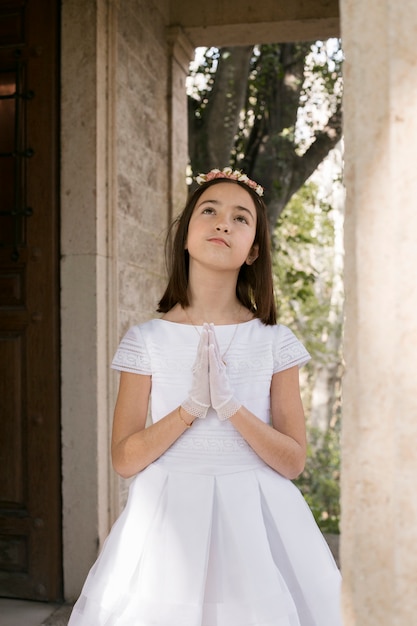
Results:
x,y
211,535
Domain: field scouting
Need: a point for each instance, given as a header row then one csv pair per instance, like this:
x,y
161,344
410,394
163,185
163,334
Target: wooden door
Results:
x,y
30,500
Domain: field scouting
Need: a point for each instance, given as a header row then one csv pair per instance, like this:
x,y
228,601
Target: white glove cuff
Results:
x,y
195,408
228,409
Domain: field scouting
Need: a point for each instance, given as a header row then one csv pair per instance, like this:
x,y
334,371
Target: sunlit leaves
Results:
x,y
305,277
320,481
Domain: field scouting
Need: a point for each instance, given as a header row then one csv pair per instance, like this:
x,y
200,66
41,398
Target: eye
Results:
x,y
242,219
208,210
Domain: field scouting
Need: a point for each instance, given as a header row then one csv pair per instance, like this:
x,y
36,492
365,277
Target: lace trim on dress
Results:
x,y
131,355
227,449
288,350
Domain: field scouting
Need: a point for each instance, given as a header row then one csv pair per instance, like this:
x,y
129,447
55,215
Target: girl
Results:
x,y
214,532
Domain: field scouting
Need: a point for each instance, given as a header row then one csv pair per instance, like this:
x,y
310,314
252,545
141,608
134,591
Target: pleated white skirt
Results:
x,y
212,536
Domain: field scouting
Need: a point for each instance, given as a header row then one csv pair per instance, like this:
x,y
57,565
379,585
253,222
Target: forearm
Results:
x,y
138,450
281,452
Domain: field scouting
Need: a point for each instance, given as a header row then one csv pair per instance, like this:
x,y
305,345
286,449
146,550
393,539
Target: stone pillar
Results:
x,y
181,54
85,284
379,472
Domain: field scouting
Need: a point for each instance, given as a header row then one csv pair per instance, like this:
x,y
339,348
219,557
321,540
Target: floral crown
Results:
x,y
227,172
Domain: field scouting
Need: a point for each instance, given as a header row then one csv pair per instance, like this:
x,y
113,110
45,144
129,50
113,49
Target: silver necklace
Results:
x,y
199,334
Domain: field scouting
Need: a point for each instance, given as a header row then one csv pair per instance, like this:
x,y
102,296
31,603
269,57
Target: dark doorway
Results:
x,y
30,464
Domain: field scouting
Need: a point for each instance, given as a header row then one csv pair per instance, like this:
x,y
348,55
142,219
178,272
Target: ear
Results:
x,y
253,254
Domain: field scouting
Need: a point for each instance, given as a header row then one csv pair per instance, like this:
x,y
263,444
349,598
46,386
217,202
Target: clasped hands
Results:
x,y
210,385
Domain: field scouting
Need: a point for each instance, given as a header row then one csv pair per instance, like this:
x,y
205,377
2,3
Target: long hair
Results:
x,y
254,288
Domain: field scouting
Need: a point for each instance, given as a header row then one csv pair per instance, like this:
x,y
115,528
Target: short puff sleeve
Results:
x,y
288,351
132,355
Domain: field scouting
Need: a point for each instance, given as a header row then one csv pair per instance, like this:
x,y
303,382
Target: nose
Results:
x,y
223,227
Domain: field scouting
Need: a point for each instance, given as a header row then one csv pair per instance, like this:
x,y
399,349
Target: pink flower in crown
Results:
x,y
214,174
227,172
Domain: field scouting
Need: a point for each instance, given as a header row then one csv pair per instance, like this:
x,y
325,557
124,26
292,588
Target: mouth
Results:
x,y
219,241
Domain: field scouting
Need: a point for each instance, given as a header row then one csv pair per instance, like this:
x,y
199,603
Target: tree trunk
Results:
x,y
212,136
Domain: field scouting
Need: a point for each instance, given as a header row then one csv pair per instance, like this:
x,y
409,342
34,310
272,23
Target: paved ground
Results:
x,y
59,617
23,613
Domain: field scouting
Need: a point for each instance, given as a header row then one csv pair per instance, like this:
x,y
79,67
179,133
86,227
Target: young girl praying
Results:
x,y
214,533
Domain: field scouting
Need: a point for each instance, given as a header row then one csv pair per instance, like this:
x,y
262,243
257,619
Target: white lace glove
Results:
x,y
198,400
222,397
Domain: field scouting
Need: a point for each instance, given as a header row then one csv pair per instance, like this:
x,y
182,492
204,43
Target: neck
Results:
x,y
233,314
213,298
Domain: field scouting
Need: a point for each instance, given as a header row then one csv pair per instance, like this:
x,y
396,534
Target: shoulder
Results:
x,y
273,332
288,350
135,335
132,354
144,329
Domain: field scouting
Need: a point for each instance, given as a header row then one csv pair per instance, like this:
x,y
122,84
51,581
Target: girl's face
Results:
x,y
222,228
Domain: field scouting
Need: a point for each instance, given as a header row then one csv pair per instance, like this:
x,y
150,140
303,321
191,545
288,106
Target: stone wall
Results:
x,y
142,157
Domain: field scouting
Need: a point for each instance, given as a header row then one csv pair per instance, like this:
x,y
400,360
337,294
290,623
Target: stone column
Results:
x,y
379,504
181,54
85,283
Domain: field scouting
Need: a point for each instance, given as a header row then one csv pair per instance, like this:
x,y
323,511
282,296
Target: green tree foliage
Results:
x,y
305,278
320,481
304,242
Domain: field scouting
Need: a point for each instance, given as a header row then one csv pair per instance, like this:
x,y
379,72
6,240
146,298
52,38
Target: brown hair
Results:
x,y
254,288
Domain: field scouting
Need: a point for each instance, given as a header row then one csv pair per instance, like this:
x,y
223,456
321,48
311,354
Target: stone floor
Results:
x,y
24,613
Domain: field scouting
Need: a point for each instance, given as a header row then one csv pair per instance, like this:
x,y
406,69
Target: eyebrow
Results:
x,y
239,207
